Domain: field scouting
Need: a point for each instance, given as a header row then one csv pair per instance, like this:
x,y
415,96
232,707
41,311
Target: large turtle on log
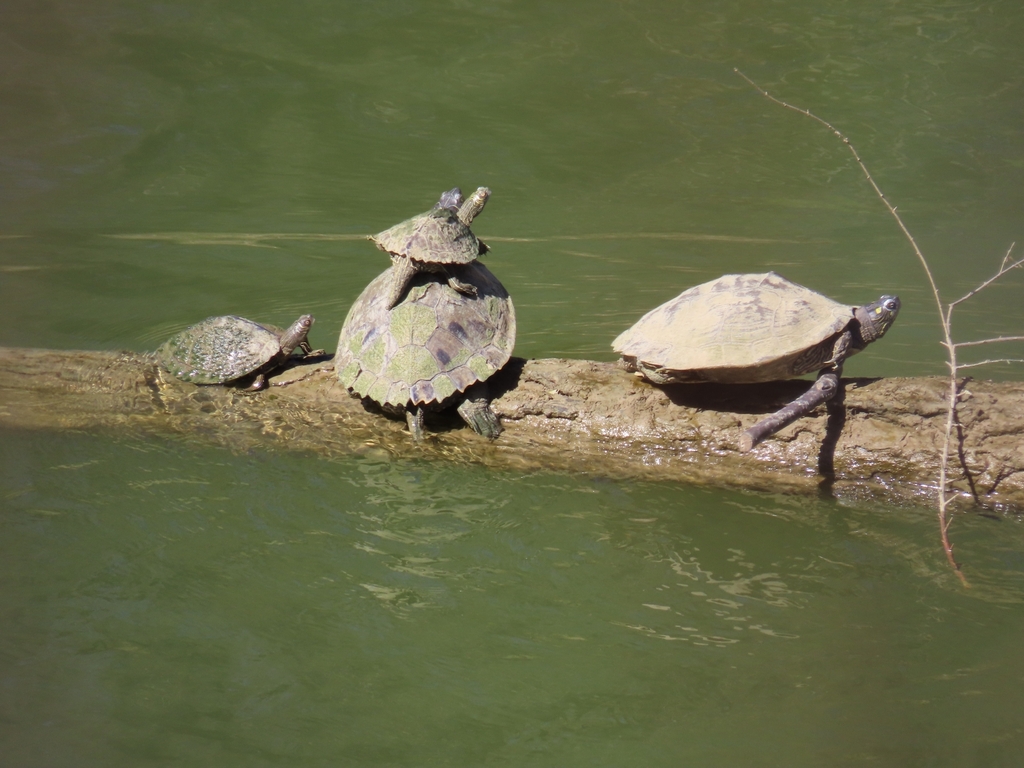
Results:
x,y
226,349
752,328
439,240
435,349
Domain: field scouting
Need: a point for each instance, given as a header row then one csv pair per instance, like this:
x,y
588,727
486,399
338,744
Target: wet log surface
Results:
x,y
881,440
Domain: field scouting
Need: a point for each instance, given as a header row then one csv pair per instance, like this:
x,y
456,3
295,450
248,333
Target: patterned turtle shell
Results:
x,y
434,345
222,349
438,236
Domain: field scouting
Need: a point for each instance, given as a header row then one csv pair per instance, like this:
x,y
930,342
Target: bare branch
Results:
x,y
1006,258
945,314
878,191
944,497
961,366
1003,269
993,340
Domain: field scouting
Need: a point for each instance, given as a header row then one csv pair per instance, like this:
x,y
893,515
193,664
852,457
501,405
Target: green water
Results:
x,y
167,603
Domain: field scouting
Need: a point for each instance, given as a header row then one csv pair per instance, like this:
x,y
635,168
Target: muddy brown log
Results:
x,y
882,442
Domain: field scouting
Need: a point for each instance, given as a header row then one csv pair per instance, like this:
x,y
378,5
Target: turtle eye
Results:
x,y
890,305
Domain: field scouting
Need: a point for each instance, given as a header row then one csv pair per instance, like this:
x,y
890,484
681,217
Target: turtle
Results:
x,y
749,328
435,349
743,329
227,348
438,240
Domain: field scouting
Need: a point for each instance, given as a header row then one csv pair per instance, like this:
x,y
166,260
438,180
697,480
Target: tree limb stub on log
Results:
x,y
560,415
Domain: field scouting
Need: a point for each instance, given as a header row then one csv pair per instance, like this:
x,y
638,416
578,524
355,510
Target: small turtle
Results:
x,y
439,240
227,348
434,349
751,328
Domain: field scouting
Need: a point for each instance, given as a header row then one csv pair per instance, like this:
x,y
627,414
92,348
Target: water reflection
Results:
x,y
162,583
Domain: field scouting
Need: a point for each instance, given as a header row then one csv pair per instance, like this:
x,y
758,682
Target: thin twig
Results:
x,y
945,497
1006,258
871,181
990,362
1003,269
993,340
944,316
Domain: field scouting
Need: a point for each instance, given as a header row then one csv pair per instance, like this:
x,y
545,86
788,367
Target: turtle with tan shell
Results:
x,y
439,240
741,329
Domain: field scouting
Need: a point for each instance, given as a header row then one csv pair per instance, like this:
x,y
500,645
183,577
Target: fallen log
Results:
x,y
880,439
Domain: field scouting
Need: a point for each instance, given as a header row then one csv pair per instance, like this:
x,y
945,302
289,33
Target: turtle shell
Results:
x,y
736,329
435,237
220,349
435,344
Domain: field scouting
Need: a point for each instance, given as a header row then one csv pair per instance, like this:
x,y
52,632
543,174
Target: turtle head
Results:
x,y
296,334
876,318
452,200
470,209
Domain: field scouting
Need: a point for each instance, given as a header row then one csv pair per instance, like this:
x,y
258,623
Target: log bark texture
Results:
x,y
879,439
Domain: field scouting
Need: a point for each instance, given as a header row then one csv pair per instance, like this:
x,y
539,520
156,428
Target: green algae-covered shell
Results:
x,y
736,329
220,349
435,344
435,237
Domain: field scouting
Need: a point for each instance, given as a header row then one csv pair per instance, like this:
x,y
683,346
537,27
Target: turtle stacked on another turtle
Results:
x,y
413,342
226,349
439,240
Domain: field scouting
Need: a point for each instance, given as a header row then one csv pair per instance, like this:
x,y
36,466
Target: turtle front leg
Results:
x,y
459,285
414,419
402,271
824,389
840,350
308,351
476,411
258,383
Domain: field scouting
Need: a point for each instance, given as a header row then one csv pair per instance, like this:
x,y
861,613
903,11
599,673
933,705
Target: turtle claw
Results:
x,y
414,420
481,418
308,351
476,411
461,287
